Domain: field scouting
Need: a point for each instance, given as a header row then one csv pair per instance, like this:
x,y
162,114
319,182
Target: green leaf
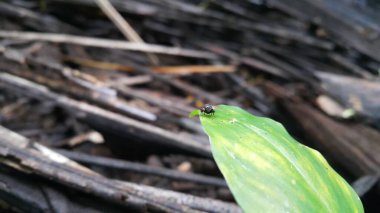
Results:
x,y
269,171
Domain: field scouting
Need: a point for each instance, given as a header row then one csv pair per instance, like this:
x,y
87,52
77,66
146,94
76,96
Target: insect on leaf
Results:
x,y
269,171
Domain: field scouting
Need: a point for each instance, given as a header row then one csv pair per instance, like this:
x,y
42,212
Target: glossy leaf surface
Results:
x,y
269,171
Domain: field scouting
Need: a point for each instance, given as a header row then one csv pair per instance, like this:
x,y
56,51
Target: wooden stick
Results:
x,y
26,194
355,26
106,120
123,25
101,95
356,69
339,141
105,43
142,168
179,70
184,86
254,63
39,21
18,152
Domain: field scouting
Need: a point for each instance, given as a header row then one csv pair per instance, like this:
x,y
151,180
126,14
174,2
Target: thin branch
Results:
x,y
142,168
123,25
105,43
179,70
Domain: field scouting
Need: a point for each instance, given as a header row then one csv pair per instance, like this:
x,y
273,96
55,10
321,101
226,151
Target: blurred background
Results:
x,y
95,96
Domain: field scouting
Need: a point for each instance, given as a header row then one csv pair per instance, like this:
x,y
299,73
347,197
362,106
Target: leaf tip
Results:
x,y
194,113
